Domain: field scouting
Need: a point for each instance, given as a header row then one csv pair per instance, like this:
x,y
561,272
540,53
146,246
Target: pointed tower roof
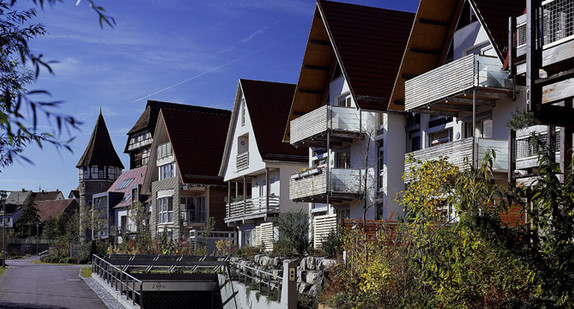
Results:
x,y
100,150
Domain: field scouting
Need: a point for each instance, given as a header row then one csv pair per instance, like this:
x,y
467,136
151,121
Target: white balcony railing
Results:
x,y
454,78
242,161
312,184
464,153
341,120
252,207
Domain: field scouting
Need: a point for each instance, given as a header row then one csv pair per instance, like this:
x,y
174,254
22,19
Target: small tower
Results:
x,y
99,166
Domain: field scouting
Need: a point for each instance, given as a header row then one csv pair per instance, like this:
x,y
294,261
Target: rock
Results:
x,y
310,262
304,287
311,276
303,264
328,263
314,291
318,261
301,275
256,258
277,262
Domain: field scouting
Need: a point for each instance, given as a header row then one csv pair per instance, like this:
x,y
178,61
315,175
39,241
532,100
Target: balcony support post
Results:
x,y
244,195
474,136
267,190
511,156
566,145
328,167
228,199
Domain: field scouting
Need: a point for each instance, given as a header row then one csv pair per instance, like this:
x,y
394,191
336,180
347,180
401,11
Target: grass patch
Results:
x,y
40,262
2,269
86,272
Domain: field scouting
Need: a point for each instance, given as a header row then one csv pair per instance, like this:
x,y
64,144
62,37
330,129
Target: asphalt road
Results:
x,y
30,285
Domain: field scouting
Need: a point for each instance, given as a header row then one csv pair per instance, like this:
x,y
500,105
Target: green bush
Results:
x,y
293,234
332,244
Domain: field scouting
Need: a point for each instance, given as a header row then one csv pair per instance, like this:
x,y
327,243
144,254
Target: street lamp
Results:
x,y
37,225
3,200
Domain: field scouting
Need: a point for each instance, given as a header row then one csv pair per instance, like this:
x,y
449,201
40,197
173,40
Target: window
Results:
x,y
344,101
381,165
243,111
164,150
165,209
195,207
483,128
166,171
343,158
124,183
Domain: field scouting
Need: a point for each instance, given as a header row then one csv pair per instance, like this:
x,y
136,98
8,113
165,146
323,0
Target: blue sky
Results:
x,y
183,51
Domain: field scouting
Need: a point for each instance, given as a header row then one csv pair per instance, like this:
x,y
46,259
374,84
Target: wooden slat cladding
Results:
x,y
322,226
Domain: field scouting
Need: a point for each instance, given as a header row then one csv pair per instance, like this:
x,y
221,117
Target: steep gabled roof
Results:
x,y
197,137
148,118
367,42
268,104
100,150
432,31
50,209
18,198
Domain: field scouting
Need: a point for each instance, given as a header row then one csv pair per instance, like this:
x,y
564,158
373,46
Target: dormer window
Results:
x,y
344,100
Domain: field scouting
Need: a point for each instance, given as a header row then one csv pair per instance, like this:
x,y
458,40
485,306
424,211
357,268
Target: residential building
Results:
x,y
182,171
16,200
540,61
50,209
140,136
356,149
256,164
98,168
114,206
454,84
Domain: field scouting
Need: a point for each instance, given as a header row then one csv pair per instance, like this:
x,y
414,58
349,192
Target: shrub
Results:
x,y
293,233
332,244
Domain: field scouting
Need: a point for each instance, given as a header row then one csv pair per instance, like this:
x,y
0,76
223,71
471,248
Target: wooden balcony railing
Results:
x,y
343,122
252,208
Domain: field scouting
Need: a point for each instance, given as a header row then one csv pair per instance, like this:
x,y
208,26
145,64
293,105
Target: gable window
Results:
x,y
243,111
194,208
164,150
165,209
166,171
344,100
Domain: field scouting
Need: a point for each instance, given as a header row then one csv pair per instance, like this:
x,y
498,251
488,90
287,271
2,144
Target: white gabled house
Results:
x,y
256,164
356,150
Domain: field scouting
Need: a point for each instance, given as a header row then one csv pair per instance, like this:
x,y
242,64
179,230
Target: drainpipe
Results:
x,y
329,125
244,195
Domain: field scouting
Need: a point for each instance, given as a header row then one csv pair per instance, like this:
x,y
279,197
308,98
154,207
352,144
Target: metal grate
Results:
x,y
558,20
526,146
521,35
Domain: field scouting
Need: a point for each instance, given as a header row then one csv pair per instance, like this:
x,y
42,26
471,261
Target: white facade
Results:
x,y
258,188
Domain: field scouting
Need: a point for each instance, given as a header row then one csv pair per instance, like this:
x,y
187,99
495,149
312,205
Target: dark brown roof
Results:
x,y
51,209
495,14
100,150
367,42
268,104
148,118
197,136
436,34
370,43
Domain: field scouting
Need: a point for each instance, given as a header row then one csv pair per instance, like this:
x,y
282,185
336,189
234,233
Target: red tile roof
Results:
x,y
100,150
197,136
268,104
50,209
369,43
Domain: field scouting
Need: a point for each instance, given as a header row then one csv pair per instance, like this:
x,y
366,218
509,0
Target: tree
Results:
x,y
20,109
25,226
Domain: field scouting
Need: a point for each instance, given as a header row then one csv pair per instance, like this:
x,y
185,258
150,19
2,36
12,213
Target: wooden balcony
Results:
x,y
448,89
312,185
465,153
252,208
344,124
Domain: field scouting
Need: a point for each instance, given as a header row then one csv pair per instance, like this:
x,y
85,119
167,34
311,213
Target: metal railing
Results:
x,y
120,280
257,278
